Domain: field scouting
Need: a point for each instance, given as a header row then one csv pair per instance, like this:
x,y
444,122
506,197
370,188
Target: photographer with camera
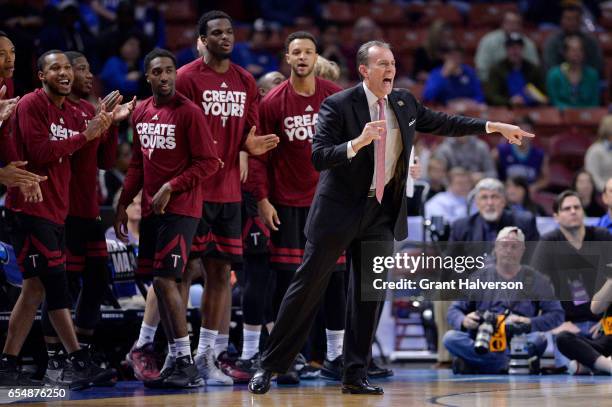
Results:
x,y
591,355
475,321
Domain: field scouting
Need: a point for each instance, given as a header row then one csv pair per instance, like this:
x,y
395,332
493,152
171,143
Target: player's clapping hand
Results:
x,y
123,111
109,102
13,176
371,132
161,199
99,124
257,145
514,134
7,107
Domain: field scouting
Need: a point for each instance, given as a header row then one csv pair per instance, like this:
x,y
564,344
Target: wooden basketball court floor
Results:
x,y
409,387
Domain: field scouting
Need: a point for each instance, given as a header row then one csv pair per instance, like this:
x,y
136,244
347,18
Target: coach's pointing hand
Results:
x,y
514,134
257,145
370,132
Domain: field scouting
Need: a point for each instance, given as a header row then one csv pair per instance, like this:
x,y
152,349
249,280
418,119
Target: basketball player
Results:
x,y
227,94
173,154
86,255
285,182
47,130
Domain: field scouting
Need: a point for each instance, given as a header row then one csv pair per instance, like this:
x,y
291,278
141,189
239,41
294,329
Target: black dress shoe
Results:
x,y
377,372
361,386
260,383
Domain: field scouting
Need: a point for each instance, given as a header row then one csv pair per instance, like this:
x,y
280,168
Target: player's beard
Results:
x,y
55,90
220,55
299,75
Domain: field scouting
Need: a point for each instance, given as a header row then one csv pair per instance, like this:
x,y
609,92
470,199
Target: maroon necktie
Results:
x,y
380,154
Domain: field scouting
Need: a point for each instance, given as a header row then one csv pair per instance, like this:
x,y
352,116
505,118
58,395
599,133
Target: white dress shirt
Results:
x,y
393,143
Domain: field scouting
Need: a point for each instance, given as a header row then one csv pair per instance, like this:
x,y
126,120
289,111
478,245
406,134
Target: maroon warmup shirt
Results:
x,y
45,136
229,102
99,153
7,147
286,175
172,143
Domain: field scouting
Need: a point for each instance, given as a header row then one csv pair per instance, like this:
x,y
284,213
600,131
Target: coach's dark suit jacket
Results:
x,y
343,185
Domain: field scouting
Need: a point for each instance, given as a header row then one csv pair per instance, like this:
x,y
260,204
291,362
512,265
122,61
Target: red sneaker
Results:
x,y
230,367
143,361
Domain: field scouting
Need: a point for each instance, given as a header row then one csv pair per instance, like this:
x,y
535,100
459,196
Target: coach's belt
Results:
x,y
371,193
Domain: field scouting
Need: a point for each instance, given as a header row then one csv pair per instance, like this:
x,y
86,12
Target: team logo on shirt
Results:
x,y
223,103
59,132
300,127
156,136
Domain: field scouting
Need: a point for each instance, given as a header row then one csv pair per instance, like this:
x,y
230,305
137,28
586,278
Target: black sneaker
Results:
x,y
332,369
159,382
291,377
12,376
377,372
54,375
184,375
249,366
305,369
80,372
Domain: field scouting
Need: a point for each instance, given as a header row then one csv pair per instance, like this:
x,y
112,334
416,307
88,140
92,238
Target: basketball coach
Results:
x,y
361,147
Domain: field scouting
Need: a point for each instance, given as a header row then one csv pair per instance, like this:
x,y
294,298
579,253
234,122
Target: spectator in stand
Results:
x,y
570,25
573,83
364,30
440,37
331,47
151,21
598,158
514,81
526,160
451,204
64,30
563,254
584,185
454,81
518,197
113,179
468,152
22,23
606,196
491,49
123,72
253,54
124,26
436,176
289,13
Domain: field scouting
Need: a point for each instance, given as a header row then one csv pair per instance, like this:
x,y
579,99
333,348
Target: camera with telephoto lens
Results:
x,y
520,349
486,329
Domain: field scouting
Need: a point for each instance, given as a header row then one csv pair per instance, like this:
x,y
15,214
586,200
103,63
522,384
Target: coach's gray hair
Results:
x,y
489,184
362,53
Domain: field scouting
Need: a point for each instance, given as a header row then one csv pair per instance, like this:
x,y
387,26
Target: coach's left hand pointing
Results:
x,y
514,134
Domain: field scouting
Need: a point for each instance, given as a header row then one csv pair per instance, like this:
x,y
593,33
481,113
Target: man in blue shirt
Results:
x,y
453,81
606,196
